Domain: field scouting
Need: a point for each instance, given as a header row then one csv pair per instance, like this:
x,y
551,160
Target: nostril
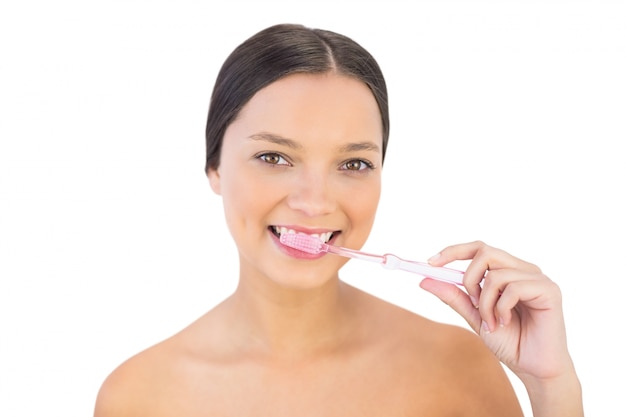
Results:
x,y
313,201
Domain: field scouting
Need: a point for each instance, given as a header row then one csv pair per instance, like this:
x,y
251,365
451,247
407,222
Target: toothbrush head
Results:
x,y
302,242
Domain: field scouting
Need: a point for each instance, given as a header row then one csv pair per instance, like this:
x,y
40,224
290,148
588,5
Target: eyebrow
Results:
x,y
359,146
279,140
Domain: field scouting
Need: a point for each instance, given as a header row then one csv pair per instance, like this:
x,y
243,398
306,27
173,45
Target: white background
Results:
x,y
507,125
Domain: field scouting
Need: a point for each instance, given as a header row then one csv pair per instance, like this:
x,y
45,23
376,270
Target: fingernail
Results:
x,y
474,301
501,321
434,258
485,327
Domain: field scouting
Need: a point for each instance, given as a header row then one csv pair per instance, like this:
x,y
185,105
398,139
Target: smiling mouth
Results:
x,y
323,237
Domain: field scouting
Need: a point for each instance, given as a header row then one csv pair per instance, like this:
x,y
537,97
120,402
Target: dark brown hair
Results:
x,y
278,51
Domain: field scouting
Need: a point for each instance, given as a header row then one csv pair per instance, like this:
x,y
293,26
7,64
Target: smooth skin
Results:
x,y
518,314
294,339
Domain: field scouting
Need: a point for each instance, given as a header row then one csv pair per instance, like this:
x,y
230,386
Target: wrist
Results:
x,y
555,396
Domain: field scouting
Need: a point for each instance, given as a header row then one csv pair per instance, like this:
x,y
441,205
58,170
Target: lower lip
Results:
x,y
295,253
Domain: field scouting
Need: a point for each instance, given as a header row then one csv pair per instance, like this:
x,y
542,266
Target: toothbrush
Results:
x,y
313,245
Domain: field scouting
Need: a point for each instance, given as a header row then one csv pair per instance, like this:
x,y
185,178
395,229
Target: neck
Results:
x,y
291,323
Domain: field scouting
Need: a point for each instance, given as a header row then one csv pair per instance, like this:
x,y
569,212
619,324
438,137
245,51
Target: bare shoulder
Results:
x,y
125,390
444,364
158,380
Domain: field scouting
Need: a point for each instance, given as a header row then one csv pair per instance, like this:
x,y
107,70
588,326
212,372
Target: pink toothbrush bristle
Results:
x,y
302,242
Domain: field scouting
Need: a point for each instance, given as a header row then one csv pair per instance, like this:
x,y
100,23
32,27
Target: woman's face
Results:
x,y
304,154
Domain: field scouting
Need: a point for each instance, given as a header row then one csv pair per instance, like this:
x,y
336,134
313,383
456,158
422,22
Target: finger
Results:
x,y
496,284
462,251
454,297
488,256
535,294
484,258
474,274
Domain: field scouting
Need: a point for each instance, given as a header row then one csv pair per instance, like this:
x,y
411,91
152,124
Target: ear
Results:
x,y
215,180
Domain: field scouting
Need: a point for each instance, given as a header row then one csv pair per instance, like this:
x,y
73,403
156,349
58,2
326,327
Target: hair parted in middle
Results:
x,y
276,52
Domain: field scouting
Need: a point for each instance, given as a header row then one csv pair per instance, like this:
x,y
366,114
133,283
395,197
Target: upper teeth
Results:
x,y
324,237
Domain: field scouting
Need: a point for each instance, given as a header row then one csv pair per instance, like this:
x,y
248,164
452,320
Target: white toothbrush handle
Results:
x,y
390,261
444,274
354,254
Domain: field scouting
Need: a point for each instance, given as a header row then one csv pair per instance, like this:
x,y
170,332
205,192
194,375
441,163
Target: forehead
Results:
x,y
313,106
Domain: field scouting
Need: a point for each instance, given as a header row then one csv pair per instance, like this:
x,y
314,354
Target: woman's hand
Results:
x,y
515,309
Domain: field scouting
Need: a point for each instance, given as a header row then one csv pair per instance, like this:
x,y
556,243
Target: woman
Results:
x,y
296,138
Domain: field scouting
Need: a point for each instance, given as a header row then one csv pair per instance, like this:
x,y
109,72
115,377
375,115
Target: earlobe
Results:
x,y
214,180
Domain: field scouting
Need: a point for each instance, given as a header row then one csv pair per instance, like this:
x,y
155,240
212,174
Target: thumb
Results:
x,y
456,298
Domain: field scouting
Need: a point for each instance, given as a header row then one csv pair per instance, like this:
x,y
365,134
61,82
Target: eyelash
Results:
x,y
263,157
365,164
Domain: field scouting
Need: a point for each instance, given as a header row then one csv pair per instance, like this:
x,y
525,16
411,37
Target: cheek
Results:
x,y
240,199
362,206
247,198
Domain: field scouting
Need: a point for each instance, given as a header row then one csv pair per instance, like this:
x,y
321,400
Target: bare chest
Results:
x,y
316,390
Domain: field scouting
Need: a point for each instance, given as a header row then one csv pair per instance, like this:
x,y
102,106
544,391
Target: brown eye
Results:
x,y
273,159
356,165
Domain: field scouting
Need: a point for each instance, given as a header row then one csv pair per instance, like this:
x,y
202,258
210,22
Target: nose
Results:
x,y
312,194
